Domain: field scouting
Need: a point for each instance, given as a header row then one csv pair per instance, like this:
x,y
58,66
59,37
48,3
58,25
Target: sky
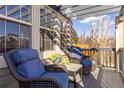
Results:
x,y
83,25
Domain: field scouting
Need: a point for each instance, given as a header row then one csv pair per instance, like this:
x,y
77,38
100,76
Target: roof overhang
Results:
x,y
83,11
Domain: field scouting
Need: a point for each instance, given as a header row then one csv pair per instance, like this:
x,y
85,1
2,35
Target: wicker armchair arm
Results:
x,y
56,67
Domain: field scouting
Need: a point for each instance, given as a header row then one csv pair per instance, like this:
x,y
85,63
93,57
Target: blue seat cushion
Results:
x,y
86,63
32,69
62,77
23,55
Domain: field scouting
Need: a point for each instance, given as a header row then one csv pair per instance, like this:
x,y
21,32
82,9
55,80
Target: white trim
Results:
x,y
14,20
41,27
68,29
69,34
56,26
32,36
57,33
57,40
5,36
69,25
56,19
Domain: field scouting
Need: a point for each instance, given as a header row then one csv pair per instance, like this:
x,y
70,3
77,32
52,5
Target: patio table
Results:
x,y
73,70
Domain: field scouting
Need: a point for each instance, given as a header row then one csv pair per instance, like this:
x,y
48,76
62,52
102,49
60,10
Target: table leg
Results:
x,y
81,74
74,77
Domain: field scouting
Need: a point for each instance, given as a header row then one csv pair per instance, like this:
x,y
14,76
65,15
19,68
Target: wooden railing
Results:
x,y
105,57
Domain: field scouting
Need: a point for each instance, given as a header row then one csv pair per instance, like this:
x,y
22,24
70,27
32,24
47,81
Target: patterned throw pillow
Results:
x,y
57,60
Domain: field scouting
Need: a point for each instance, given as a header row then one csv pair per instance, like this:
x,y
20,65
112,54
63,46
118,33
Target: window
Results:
x,y
3,9
12,35
25,34
46,40
23,12
15,34
26,13
2,36
13,11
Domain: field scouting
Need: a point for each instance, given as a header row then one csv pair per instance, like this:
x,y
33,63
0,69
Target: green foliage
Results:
x,y
64,59
55,56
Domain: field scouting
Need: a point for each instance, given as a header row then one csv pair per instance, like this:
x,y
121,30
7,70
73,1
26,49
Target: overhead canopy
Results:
x,y
82,11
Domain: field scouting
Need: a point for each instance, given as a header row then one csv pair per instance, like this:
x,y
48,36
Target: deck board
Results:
x,y
100,78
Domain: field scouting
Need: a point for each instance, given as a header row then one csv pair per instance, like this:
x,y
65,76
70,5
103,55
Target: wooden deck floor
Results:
x,y
100,78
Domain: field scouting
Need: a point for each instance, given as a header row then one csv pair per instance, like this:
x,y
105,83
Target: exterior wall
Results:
x,y
120,35
119,40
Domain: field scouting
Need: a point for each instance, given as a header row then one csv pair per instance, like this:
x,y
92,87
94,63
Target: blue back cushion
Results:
x,y
23,55
86,63
80,49
73,50
32,68
28,63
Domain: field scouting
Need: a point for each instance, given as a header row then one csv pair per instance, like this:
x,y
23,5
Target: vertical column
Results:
x,y
119,39
36,27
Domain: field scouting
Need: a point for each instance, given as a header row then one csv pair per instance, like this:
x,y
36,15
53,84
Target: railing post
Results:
x,y
114,57
98,60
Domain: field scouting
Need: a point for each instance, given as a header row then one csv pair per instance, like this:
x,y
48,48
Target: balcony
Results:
x,y
101,78
109,61
105,75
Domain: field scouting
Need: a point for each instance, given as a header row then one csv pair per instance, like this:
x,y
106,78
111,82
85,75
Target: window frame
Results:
x,y
44,40
20,22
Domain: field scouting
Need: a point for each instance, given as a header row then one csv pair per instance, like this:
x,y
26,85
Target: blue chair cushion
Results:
x,y
23,55
32,69
73,50
61,77
86,63
79,49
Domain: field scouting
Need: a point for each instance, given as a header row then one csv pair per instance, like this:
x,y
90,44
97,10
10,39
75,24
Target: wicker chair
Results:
x,y
86,62
53,76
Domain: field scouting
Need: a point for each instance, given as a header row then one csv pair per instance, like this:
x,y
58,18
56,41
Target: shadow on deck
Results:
x,y
100,78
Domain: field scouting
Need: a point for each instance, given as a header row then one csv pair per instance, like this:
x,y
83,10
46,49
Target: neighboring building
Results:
x,y
41,27
56,30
